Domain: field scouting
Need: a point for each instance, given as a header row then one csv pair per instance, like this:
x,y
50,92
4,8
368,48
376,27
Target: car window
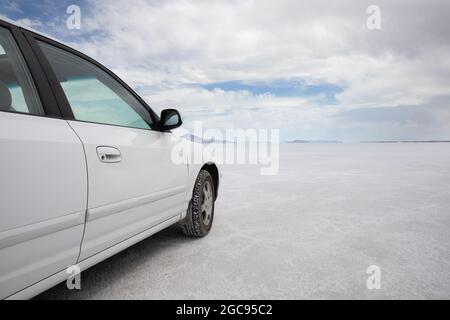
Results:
x,y
93,94
17,90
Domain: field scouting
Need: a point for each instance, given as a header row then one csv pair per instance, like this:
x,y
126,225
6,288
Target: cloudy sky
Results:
x,y
310,68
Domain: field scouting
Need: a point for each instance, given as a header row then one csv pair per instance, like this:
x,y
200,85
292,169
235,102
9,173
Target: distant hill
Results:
x,y
314,141
413,141
192,138
196,139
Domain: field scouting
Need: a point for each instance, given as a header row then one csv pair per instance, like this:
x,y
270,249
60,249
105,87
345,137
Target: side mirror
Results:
x,y
170,119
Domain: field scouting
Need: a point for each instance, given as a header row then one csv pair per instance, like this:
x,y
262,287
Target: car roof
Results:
x,y
9,21
24,26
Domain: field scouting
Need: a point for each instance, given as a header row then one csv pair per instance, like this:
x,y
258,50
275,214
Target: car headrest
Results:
x,y
5,98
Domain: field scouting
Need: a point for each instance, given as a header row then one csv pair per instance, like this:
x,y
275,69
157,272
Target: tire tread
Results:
x,y
192,228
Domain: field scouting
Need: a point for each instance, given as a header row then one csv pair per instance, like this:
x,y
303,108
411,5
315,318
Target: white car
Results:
x,y
85,165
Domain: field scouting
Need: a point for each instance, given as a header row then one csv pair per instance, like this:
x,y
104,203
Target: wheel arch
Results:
x,y
214,172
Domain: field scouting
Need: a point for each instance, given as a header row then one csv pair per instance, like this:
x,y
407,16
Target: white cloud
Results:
x,y
165,47
29,23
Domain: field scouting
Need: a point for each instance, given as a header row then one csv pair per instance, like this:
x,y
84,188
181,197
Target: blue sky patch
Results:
x,y
50,14
39,10
280,88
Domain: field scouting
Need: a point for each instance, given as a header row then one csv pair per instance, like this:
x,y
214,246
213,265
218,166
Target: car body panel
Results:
x,y
140,191
43,203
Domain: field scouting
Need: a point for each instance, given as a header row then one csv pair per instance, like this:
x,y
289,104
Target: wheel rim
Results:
x,y
207,203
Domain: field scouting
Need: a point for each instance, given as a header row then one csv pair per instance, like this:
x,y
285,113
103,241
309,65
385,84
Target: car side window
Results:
x,y
17,90
93,94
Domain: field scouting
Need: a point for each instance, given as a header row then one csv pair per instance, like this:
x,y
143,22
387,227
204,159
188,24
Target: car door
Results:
x,y
133,183
43,179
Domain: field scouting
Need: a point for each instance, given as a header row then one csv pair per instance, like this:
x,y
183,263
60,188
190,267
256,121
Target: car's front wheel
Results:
x,y
200,213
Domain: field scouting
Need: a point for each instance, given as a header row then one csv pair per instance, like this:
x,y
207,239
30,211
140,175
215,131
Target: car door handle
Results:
x,y
109,154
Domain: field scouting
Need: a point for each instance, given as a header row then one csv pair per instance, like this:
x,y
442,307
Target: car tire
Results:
x,y
200,213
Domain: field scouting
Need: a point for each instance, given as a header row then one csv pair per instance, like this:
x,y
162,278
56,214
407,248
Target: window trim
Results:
x,y
64,105
43,90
